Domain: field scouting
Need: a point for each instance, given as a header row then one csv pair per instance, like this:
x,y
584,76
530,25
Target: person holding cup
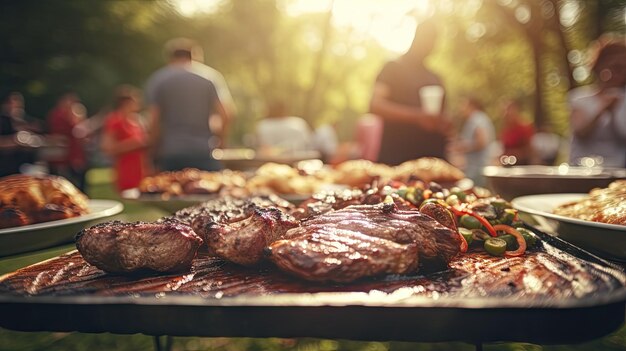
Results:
x,y
409,98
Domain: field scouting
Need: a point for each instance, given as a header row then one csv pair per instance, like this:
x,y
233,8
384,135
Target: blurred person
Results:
x,y
18,138
190,109
475,139
125,139
282,133
409,130
62,121
14,107
369,129
546,145
598,112
517,134
326,141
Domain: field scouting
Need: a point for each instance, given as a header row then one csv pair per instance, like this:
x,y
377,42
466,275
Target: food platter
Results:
x,y
607,240
41,235
516,181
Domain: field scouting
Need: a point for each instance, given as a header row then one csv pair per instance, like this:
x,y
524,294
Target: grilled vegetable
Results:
x,y
470,222
529,237
520,240
495,246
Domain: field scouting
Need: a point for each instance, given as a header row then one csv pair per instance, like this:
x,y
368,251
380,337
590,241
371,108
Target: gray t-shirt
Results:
x,y
186,98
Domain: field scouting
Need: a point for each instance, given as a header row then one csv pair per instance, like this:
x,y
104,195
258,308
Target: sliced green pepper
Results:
x,y
500,204
508,216
495,246
470,222
529,237
511,241
467,234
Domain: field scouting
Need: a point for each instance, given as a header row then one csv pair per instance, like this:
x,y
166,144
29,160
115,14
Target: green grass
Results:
x,y
101,188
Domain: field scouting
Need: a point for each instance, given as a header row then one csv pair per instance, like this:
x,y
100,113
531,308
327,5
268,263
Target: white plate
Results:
x,y
41,235
608,240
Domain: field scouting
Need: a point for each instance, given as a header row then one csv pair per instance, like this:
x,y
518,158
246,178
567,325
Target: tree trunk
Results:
x,y
555,23
311,94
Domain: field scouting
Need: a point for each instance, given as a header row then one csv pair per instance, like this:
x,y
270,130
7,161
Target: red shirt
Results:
x,y
129,166
517,135
62,122
515,139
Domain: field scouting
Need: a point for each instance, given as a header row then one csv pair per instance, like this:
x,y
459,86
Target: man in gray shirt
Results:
x,y
190,108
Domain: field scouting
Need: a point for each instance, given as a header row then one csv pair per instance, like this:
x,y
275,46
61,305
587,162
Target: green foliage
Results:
x,y
325,74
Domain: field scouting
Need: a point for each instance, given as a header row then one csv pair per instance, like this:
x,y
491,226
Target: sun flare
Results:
x,y
391,23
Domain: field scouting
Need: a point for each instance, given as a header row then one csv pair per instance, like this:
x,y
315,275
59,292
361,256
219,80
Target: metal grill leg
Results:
x,y
163,345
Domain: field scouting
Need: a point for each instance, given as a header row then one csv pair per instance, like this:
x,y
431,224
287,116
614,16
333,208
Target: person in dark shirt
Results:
x,y
8,146
412,128
17,136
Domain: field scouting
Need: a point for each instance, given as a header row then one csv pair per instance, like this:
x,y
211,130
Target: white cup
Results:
x,y
431,97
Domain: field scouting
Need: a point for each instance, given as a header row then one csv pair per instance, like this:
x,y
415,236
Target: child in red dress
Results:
x,y
125,139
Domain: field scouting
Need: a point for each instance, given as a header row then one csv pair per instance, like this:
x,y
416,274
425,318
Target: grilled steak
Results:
x,y
118,247
227,209
242,240
324,202
339,255
436,243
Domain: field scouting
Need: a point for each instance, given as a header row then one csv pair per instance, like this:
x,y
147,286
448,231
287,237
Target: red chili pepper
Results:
x,y
459,211
520,240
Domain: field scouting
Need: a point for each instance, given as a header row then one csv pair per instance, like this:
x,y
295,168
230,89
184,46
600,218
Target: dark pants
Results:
x,y
175,163
75,176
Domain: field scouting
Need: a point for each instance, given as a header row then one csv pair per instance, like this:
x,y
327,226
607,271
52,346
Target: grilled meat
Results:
x,y
118,247
339,255
12,217
335,200
26,199
604,205
227,209
242,240
436,243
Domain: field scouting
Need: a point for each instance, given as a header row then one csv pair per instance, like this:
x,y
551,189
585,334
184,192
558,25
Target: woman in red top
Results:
x,y
125,139
516,135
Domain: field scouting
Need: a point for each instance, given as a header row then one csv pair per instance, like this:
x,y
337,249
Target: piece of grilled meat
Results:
x,y
227,209
339,255
436,243
323,202
12,217
242,239
118,247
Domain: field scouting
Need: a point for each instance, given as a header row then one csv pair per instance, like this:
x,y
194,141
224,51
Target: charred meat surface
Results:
x,y
227,209
118,247
323,202
12,217
339,255
436,243
242,241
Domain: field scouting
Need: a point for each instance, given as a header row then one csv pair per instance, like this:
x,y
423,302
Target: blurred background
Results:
x,y
323,55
